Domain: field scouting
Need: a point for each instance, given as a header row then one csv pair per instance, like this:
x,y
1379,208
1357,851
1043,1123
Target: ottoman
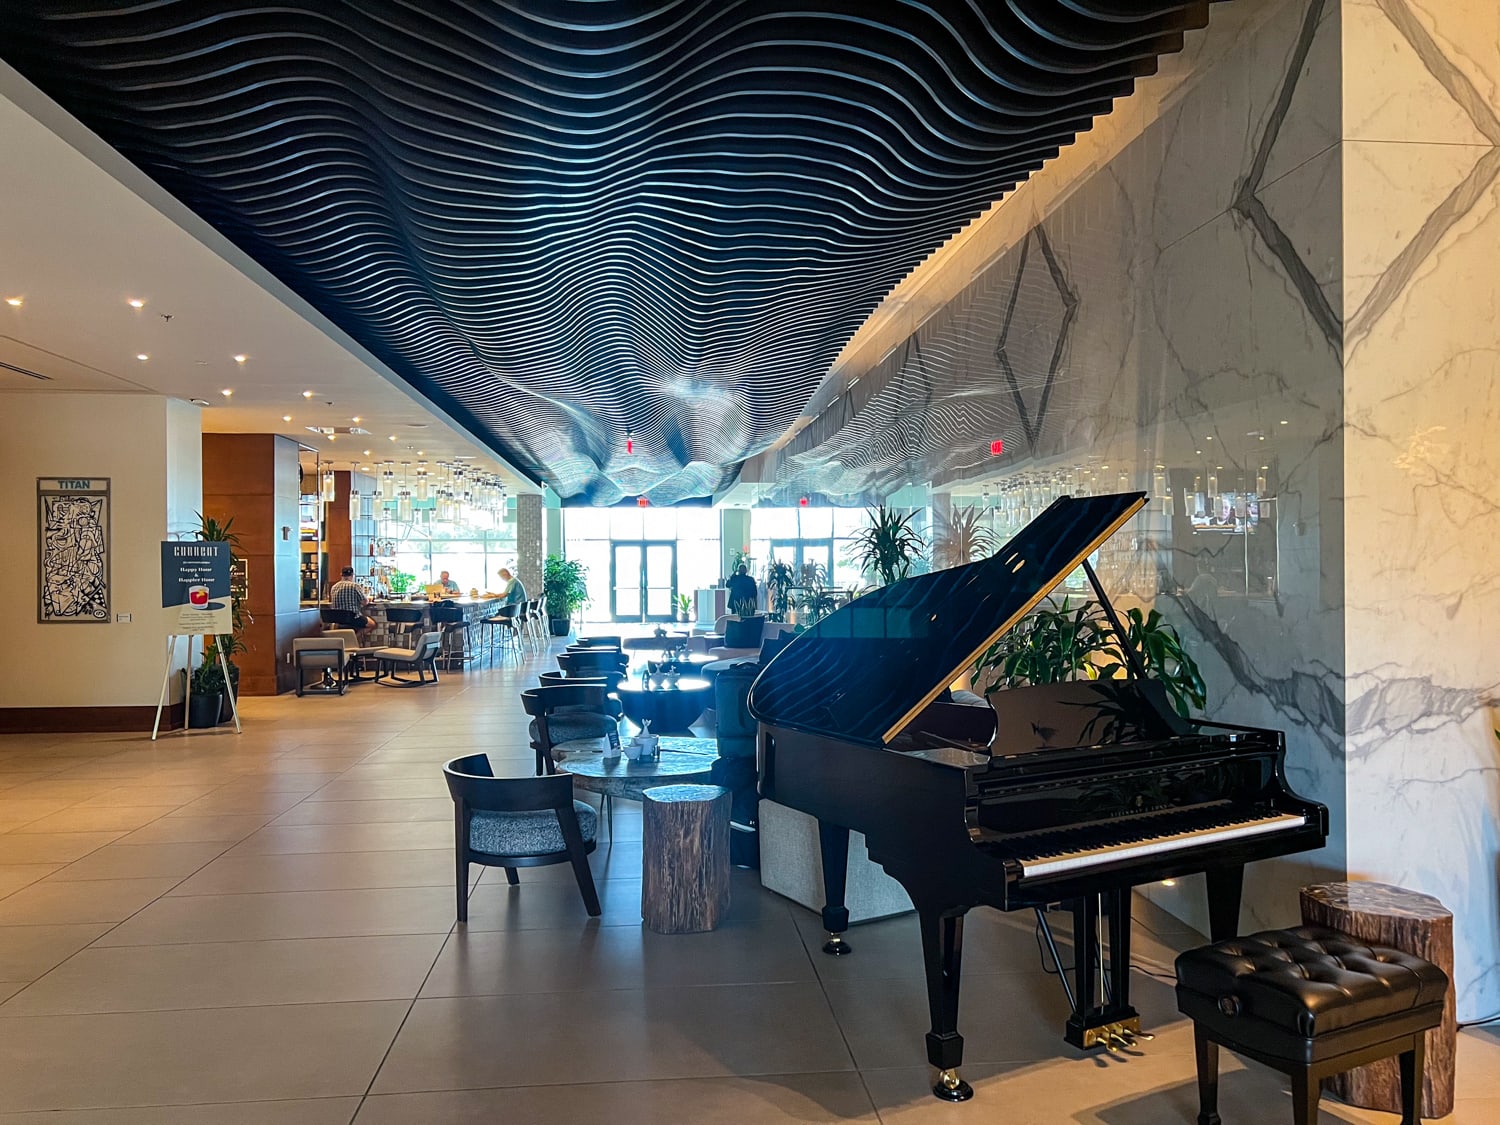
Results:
x,y
1308,1002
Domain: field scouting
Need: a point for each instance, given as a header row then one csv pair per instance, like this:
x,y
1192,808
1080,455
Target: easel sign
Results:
x,y
196,602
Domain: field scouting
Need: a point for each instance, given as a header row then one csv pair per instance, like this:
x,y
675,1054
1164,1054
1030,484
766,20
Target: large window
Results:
x,y
805,537
608,540
470,555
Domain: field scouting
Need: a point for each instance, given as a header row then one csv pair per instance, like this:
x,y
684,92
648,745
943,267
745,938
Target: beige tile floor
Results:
x,y
258,930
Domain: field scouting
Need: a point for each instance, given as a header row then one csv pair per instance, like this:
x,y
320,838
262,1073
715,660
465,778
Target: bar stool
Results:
x,y
406,623
506,619
454,625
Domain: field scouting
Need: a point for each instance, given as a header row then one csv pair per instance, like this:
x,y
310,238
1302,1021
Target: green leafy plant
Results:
x,y
743,607
401,582
1058,642
888,548
232,643
779,583
962,536
1160,648
685,606
564,582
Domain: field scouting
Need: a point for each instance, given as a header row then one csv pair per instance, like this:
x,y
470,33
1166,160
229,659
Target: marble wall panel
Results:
x,y
1422,389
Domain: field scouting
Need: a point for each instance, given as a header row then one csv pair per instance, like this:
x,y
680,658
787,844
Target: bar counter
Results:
x,y
475,611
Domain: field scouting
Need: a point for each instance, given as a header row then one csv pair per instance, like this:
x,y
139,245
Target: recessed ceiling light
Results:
x,y
136,303
333,437
1210,437
367,453
355,420
240,358
13,302
1283,422
286,417
198,401
392,437
307,394
1198,451
143,357
227,391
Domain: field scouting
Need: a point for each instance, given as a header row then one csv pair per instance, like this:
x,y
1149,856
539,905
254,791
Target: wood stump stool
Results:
x,y
1413,923
685,881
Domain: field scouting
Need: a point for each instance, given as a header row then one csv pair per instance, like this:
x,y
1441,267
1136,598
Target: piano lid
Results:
x,y
866,670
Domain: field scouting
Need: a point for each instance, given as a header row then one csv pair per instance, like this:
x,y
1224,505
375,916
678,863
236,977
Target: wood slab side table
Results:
x,y
685,858
1414,923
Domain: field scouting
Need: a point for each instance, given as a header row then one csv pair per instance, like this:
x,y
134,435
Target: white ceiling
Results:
x,y
83,232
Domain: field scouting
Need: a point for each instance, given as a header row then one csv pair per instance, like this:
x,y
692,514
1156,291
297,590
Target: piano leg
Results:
x,y
1105,1020
1225,885
942,955
833,844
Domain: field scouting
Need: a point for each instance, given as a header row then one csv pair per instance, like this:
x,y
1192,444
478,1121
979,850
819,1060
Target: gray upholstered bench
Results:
x,y
1309,1002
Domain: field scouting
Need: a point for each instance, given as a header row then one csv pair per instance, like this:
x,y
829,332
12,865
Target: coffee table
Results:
x,y
670,709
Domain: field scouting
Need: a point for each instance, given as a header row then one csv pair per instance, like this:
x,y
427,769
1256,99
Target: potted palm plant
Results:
x,y
565,586
889,547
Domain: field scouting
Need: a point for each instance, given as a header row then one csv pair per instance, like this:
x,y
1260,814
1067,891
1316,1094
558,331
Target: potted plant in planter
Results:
x,y
563,583
1060,641
207,696
889,548
779,582
684,607
230,644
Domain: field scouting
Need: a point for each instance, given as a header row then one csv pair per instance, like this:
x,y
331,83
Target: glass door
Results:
x,y
626,566
643,581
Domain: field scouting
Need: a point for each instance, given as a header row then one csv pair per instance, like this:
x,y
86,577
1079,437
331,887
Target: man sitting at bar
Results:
x,y
347,596
449,586
512,592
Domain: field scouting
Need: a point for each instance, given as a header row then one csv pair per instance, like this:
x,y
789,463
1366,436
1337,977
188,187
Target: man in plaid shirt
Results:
x,y
347,596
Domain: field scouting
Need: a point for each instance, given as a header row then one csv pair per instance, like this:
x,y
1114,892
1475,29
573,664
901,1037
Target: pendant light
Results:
x,y
403,498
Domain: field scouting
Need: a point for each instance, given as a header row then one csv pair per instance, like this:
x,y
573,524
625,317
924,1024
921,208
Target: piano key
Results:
x,y
1035,866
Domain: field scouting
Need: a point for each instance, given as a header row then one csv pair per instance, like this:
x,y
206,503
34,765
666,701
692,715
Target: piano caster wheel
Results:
x,y
836,946
951,1088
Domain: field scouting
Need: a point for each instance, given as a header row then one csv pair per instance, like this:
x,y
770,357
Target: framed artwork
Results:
x,y
73,524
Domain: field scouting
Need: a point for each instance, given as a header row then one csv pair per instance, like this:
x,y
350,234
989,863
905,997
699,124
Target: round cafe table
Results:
x,y
683,761
670,709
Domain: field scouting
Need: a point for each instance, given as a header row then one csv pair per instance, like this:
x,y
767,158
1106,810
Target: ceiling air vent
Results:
x,y
24,371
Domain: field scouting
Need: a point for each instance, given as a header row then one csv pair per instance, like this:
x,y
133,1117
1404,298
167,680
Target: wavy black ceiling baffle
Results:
x,y
576,222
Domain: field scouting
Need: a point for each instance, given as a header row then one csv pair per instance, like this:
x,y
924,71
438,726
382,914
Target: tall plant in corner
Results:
x,y
209,677
888,548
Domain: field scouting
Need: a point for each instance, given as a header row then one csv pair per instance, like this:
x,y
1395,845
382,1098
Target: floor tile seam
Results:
x,y
321,890
628,1081
16,1016
16,1113
170,843
262,940
641,986
112,925
389,1047
174,942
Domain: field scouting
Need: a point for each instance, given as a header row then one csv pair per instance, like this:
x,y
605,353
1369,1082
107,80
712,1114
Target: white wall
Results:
x,y
150,448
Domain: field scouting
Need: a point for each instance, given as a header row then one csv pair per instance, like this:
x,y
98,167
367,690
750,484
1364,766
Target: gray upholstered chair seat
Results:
x,y
527,833
565,726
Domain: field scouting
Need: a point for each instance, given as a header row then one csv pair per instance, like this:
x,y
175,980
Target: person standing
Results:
x,y
512,592
348,597
742,589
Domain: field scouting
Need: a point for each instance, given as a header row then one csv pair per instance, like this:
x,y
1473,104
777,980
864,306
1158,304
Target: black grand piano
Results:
x,y
1061,794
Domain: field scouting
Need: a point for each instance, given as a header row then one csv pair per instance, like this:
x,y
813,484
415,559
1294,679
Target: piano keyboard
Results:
x,y
1144,845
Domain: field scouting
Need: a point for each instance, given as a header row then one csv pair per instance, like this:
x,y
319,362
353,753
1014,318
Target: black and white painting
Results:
x,y
73,550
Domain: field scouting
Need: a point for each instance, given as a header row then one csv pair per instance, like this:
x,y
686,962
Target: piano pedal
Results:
x,y
951,1088
1113,1037
836,946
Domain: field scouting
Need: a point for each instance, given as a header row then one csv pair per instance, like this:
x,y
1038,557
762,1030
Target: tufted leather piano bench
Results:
x,y
1309,1002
